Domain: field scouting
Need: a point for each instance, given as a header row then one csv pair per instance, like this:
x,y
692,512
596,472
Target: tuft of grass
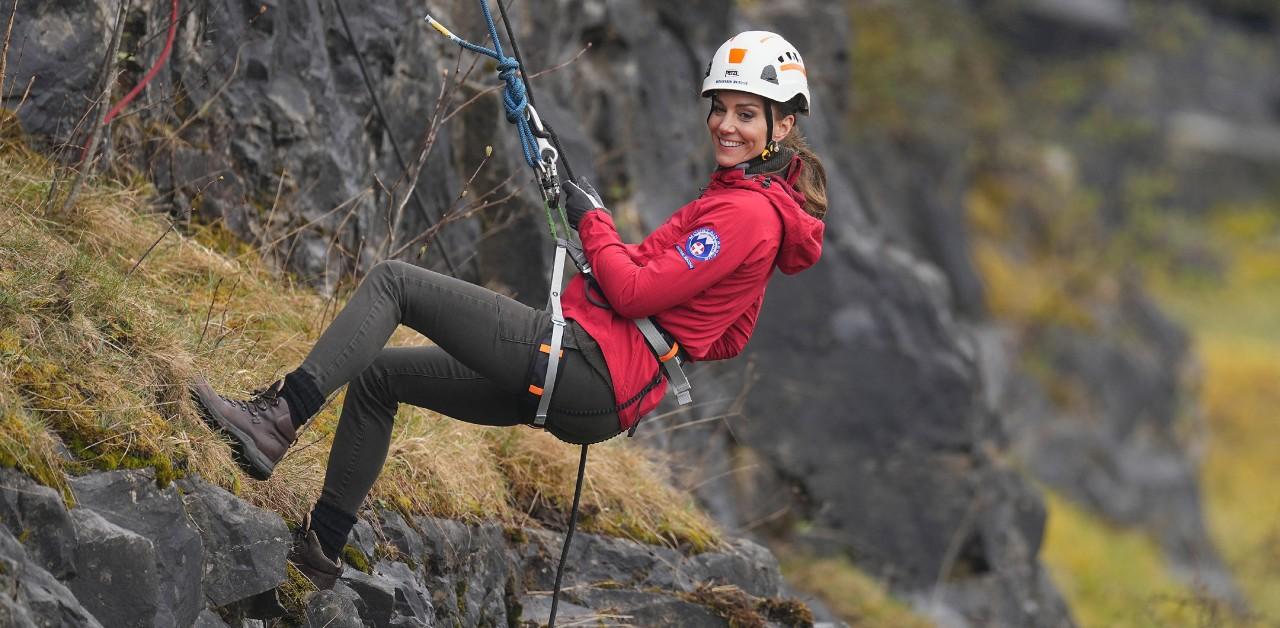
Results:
x,y
625,492
742,610
444,467
850,593
99,339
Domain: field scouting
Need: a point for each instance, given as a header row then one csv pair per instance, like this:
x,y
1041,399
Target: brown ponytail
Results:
x,y
813,178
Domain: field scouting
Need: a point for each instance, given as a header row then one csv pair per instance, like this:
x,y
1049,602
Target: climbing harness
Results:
x,y
541,150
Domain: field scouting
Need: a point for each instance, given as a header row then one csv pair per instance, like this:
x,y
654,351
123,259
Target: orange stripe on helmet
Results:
x,y
736,55
794,66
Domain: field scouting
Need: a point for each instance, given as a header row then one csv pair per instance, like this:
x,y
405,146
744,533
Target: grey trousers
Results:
x,y
479,370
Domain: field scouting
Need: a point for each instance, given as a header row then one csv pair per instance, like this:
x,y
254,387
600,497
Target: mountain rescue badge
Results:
x,y
703,244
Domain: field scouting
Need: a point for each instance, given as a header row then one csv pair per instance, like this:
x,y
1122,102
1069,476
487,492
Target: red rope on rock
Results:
x,y
164,55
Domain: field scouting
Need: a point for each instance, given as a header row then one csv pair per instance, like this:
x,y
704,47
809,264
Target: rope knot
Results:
x,y
514,97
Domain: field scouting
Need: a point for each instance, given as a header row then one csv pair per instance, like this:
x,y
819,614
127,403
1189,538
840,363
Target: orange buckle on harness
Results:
x,y
675,348
544,348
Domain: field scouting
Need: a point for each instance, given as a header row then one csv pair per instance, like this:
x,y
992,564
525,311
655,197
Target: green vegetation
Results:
x,y
98,339
1116,577
850,593
1235,318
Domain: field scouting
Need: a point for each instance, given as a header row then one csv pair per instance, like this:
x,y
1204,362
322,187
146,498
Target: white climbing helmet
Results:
x,y
761,63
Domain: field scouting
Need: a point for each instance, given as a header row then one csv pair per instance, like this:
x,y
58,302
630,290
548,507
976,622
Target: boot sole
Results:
x,y
246,454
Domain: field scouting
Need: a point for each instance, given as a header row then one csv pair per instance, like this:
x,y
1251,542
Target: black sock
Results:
x,y
332,526
302,395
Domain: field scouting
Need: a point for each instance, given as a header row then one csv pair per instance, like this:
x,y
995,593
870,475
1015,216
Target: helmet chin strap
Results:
x,y
769,146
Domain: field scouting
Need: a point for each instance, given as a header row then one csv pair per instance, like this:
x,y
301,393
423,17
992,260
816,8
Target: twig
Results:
x,y
284,174
95,131
454,217
957,542
309,223
499,86
148,252
204,107
209,312
4,51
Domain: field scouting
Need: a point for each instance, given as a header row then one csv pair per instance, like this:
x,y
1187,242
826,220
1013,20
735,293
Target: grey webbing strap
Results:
x,y
557,338
675,375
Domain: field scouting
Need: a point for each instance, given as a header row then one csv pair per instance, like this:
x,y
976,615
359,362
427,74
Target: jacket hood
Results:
x,y
801,233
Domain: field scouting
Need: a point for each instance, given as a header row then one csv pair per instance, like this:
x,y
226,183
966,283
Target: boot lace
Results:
x,y
261,401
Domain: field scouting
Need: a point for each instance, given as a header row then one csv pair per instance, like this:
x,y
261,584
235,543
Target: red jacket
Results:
x,y
701,275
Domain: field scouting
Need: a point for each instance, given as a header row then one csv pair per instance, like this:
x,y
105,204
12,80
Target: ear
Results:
x,y
782,127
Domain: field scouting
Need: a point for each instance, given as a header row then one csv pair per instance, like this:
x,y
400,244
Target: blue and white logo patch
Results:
x,y
703,244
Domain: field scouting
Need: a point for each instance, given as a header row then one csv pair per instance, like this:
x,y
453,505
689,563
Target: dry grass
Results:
x,y
625,492
851,594
94,363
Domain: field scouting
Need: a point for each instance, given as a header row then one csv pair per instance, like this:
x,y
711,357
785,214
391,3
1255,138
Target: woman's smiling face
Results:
x,y
738,128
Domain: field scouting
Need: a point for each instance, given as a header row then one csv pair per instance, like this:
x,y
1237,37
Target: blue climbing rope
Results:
x,y
514,98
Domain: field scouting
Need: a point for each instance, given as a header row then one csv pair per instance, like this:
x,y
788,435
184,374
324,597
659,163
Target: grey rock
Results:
x,y
209,619
132,501
1213,137
536,610
1109,16
363,538
594,559
377,596
675,612
468,572
745,564
117,576
412,607
31,596
398,532
38,515
334,608
244,546
391,596
647,608
63,44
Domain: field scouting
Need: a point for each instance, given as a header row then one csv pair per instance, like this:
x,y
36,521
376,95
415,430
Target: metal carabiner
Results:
x,y
548,174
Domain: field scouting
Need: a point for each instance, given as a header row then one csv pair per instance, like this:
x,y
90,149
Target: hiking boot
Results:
x,y
261,428
307,556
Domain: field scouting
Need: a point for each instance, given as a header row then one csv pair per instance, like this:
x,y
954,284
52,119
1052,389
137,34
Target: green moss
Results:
x,y
460,592
293,593
355,558
515,535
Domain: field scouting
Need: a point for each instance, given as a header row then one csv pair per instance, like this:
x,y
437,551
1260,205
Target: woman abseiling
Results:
x,y
701,276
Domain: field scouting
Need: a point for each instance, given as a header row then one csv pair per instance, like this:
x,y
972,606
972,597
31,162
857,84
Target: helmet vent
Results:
x,y
769,74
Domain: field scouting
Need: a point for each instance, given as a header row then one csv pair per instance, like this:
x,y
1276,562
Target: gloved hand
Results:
x,y
580,198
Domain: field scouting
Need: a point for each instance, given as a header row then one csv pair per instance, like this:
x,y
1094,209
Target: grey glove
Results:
x,y
579,199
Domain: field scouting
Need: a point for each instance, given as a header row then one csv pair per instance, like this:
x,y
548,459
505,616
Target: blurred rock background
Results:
x,y
1052,265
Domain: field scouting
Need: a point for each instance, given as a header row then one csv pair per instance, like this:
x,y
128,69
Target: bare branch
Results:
x,y
95,131
4,51
535,75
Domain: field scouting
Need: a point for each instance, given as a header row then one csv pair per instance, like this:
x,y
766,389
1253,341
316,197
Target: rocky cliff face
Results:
x,y
191,554
880,397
